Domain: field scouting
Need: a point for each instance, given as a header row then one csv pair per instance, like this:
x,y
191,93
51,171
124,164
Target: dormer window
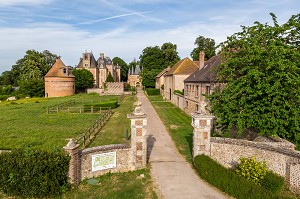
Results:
x,y
65,70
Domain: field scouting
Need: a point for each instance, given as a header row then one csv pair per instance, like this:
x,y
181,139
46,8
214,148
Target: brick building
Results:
x,y
134,76
99,68
59,81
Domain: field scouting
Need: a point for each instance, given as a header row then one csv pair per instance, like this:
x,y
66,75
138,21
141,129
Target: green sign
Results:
x,y
104,161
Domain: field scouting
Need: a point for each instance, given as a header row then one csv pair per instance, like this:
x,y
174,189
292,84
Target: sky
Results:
x,y
123,28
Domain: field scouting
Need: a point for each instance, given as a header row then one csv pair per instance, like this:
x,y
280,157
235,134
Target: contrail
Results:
x,y
113,17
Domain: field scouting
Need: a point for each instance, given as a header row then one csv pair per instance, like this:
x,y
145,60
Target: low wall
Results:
x,y
178,100
228,151
95,90
122,160
96,161
279,154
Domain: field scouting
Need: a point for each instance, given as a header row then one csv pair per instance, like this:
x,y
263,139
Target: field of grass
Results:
x,y
114,132
112,186
116,185
25,122
177,123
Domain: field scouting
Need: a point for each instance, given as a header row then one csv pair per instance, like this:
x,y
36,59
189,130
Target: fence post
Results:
x,y
138,138
73,150
201,134
92,109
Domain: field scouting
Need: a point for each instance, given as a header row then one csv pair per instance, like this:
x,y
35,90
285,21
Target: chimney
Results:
x,y
102,55
201,59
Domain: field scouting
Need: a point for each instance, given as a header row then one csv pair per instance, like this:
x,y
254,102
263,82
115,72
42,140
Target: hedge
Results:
x,y
229,181
33,173
273,182
104,105
153,91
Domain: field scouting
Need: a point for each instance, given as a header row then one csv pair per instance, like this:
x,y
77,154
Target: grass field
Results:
x,y
177,123
25,123
112,186
118,185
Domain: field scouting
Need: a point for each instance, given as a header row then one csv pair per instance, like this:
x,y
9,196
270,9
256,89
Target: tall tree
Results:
x,y
83,80
123,67
203,44
109,78
154,59
261,66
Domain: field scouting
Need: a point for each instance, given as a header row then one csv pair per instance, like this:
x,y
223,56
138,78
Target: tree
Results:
x,y
32,88
83,80
204,44
261,66
155,59
109,78
123,67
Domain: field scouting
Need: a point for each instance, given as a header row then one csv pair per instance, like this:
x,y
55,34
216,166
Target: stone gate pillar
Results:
x,y
73,150
201,134
138,138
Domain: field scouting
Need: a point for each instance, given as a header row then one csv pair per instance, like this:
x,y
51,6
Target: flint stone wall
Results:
x,y
122,160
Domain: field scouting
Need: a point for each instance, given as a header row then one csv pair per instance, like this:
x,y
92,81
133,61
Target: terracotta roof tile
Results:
x,y
56,71
183,67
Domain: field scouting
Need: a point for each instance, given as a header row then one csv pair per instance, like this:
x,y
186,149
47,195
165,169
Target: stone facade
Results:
x,y
281,158
127,157
134,78
100,68
59,81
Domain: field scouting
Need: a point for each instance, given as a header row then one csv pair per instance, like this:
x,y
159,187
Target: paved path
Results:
x,y
173,175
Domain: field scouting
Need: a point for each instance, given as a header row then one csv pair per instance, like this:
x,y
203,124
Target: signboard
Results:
x,y
104,161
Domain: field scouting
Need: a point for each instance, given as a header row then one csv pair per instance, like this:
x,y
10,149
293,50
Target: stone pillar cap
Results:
x,y
200,114
71,144
138,109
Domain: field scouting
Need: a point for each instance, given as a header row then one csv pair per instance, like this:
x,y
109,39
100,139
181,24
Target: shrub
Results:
x,y
152,91
4,97
104,105
178,92
273,182
252,169
229,181
33,173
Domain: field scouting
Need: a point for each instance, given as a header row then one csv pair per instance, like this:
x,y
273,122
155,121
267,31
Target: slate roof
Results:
x,y
135,70
163,72
205,74
183,67
93,62
56,71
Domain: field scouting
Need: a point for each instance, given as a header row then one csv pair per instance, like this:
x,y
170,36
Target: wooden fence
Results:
x,y
85,139
60,107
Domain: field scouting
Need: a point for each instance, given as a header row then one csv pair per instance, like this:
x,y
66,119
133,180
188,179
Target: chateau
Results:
x,y
100,68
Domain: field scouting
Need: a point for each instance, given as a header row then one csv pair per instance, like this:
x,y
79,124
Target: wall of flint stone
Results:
x,y
122,159
279,157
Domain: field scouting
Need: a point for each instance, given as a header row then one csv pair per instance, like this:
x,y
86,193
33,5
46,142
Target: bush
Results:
x,y
273,182
32,173
153,91
252,169
104,105
229,181
4,97
178,92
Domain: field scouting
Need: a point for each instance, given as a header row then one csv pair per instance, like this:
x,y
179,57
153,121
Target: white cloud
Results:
x,y
23,2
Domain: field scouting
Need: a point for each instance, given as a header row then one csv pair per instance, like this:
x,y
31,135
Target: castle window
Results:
x,y
65,70
197,91
207,89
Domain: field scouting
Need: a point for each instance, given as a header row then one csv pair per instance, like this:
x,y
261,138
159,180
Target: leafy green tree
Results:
x,y
83,80
203,44
110,78
261,68
155,59
32,88
34,65
123,67
6,78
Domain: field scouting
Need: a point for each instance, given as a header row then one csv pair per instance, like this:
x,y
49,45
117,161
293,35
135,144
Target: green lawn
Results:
x,y
177,123
25,123
118,185
114,132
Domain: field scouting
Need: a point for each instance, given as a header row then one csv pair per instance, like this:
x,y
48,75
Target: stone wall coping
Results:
x,y
105,148
260,145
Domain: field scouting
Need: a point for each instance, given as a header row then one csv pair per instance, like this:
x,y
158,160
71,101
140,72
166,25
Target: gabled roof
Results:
x,y
163,72
93,62
183,67
56,71
206,74
135,70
